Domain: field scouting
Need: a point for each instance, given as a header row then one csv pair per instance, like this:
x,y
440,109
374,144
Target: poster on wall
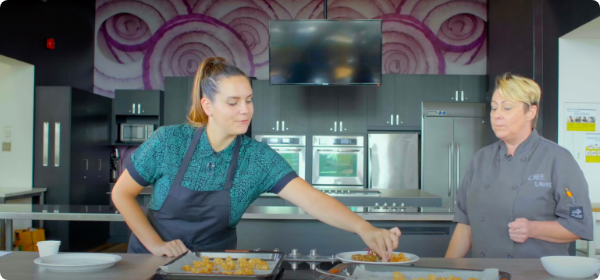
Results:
x,y
592,147
581,119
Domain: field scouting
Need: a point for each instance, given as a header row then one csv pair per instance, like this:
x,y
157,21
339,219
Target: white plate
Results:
x,y
347,258
77,262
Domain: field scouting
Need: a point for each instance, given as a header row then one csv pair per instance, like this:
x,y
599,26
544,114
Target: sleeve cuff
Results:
x,y
575,229
460,217
134,174
283,182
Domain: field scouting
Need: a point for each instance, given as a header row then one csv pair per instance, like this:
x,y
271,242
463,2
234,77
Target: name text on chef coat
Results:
x,y
539,182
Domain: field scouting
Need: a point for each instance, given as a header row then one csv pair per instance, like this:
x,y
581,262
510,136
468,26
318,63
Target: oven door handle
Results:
x,y
325,150
348,151
288,150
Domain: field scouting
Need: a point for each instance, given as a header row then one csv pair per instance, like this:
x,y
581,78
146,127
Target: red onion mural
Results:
x,y
139,42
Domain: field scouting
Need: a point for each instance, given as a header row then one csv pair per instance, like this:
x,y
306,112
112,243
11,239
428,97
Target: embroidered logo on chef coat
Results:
x,y
577,212
539,181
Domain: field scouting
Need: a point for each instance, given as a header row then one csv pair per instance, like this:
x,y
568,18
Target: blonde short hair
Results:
x,y
519,89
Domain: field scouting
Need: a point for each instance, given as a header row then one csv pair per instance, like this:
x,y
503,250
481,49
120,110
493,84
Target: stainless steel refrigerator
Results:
x,y
393,160
452,133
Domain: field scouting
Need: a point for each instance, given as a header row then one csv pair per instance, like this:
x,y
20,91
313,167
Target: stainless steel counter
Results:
x,y
109,213
19,265
11,194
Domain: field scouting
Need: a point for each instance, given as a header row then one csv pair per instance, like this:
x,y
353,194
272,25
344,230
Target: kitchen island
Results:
x,y
425,231
19,265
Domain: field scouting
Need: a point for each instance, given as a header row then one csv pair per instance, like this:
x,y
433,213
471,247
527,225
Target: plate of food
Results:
x,y
370,257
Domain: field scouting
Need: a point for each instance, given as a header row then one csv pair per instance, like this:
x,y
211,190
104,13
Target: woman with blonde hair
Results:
x,y
205,174
523,196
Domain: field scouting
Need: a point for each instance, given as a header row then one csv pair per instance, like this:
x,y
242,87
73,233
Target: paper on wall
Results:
x,y
592,147
581,119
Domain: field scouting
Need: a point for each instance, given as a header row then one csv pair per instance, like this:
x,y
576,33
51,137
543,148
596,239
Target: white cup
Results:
x,y
48,248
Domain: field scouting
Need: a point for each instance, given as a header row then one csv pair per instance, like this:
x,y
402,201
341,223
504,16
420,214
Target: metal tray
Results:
x,y
172,270
410,272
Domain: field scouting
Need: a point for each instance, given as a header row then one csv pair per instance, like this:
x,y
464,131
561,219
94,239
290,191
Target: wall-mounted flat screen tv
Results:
x,y
325,52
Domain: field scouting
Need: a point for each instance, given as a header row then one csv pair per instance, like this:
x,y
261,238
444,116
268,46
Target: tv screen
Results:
x,y
325,52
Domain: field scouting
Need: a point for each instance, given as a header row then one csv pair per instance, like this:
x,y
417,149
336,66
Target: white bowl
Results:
x,y
570,266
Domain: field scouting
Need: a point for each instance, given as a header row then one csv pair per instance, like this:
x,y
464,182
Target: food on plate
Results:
x,y
374,257
399,276
246,267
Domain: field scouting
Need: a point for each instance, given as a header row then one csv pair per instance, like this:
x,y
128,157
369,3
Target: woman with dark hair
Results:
x,y
205,174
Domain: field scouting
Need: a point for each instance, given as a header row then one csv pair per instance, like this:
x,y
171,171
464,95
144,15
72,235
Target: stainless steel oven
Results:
x,y
291,148
338,160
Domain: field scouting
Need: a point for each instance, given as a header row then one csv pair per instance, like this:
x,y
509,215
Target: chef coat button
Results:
x,y
523,159
515,187
481,219
509,256
486,186
482,254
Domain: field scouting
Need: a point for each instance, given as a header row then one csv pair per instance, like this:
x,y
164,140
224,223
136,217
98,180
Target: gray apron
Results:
x,y
200,219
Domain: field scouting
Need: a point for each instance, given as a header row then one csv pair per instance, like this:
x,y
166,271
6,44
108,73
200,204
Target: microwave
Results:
x,y
135,132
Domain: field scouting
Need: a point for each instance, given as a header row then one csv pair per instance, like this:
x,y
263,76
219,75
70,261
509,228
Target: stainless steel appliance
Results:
x,y
291,148
338,160
393,160
452,133
135,132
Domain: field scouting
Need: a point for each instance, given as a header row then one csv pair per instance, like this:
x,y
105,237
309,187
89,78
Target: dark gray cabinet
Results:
x,y
396,104
72,159
473,88
280,109
137,102
136,107
339,109
454,88
178,99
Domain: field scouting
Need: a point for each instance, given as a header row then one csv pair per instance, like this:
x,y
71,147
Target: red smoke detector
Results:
x,y
50,44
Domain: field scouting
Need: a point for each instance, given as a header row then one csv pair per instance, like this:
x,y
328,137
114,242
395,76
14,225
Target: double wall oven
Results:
x,y
291,148
338,160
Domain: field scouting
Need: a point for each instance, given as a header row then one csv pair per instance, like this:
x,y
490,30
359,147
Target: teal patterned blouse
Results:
x,y
259,169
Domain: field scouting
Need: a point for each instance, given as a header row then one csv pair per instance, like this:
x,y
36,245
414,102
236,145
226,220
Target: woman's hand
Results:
x,y
382,241
520,230
170,249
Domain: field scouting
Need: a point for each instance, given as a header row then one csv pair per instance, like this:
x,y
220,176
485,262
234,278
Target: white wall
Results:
x,y
579,87
16,128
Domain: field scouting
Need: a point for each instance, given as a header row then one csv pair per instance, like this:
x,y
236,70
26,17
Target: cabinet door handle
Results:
x,y
57,144
133,107
456,96
139,108
341,127
45,144
397,119
86,164
335,126
99,164
277,125
392,119
462,95
282,125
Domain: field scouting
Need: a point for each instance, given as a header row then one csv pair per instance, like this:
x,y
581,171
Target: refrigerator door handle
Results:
x,y
57,144
370,168
450,170
457,166
45,144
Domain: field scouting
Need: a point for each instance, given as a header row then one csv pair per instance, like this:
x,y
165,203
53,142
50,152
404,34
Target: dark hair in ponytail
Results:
x,y
206,85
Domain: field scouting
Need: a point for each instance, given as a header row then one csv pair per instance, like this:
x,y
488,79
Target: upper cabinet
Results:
x,y
279,109
141,108
454,88
137,102
339,109
178,99
396,103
